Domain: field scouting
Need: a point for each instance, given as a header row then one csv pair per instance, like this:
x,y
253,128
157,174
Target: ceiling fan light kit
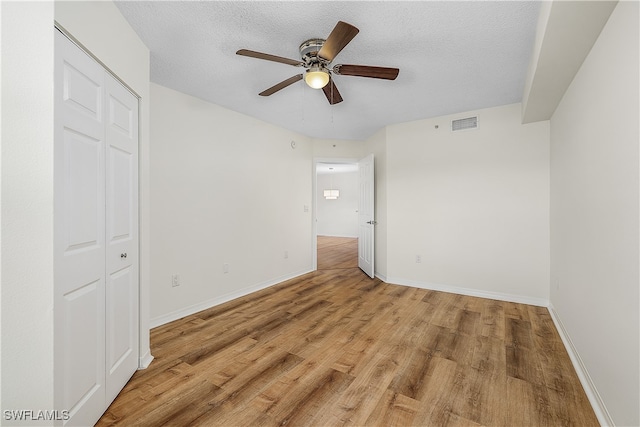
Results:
x,y
316,56
316,77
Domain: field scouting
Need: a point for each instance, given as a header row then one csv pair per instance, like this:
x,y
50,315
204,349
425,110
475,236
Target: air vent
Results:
x,y
464,124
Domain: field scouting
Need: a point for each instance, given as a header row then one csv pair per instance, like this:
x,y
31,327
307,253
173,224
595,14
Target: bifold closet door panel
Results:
x,y
79,238
122,236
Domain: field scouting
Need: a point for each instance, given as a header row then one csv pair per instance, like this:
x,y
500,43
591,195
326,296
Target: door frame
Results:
x,y
314,202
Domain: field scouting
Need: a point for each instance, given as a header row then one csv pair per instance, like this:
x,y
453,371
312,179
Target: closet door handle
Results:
x,y
124,255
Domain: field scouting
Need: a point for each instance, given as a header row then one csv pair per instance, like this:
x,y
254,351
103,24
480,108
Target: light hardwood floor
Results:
x,y
337,252
335,347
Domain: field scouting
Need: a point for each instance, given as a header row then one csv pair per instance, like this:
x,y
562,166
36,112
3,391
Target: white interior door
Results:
x,y
366,220
95,235
79,238
122,236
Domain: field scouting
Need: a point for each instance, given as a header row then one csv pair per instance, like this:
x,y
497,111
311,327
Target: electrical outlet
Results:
x,y
286,254
418,259
175,280
225,268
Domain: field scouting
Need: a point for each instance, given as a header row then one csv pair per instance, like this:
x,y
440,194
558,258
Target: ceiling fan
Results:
x,y
316,56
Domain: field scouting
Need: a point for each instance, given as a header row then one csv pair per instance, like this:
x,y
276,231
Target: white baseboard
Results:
x,y
145,360
381,277
187,311
604,418
540,302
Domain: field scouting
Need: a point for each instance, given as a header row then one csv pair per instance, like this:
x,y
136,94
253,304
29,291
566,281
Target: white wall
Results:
x,y
338,148
565,33
595,215
27,205
27,176
473,204
337,217
225,189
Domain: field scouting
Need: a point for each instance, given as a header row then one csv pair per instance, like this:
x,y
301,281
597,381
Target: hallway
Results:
x,y
337,252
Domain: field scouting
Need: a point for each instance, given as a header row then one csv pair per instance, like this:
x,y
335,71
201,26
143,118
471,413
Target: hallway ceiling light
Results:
x,y
331,194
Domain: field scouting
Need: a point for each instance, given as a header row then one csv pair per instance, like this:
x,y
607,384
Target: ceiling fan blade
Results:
x,y
331,92
266,56
366,71
273,89
341,35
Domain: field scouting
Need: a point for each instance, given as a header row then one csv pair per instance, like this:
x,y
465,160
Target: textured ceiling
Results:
x,y
453,57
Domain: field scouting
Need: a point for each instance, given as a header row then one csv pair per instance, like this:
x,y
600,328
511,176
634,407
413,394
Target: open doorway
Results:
x,y
337,215
337,252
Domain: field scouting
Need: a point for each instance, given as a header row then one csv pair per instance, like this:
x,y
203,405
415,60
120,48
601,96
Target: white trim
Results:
x,y
187,311
521,299
145,360
381,277
604,418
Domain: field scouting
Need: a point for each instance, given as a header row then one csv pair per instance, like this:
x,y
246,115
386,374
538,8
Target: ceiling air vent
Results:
x,y
464,124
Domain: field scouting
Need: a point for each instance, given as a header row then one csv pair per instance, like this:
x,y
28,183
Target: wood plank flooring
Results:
x,y
334,347
337,252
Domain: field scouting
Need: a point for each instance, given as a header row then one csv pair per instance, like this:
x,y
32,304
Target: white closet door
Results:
x,y
79,238
122,236
95,235
366,219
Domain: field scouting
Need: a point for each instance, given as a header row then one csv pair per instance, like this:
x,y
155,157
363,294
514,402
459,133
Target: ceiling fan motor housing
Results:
x,y
309,52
